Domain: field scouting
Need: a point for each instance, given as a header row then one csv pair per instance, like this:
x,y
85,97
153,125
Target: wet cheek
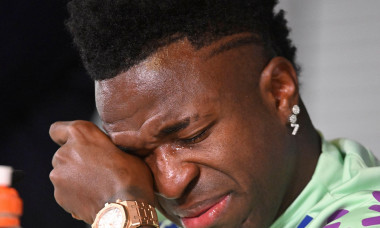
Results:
x,y
240,157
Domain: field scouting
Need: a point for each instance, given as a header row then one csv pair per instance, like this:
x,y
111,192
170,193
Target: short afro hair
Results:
x,y
114,35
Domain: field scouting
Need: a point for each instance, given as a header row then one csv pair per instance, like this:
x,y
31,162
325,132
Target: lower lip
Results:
x,y
207,218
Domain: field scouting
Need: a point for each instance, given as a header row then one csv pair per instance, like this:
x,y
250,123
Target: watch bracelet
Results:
x,y
147,215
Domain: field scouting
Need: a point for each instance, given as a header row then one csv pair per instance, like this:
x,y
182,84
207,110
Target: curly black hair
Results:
x,y
113,35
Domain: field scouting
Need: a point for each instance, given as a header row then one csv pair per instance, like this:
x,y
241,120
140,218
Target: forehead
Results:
x,y
178,78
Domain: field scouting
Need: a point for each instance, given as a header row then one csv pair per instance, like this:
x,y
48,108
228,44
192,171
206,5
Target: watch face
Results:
x,y
112,217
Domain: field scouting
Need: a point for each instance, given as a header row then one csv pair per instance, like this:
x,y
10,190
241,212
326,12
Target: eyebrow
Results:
x,y
241,41
175,127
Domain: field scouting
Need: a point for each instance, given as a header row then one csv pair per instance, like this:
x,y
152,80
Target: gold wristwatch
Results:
x,y
126,214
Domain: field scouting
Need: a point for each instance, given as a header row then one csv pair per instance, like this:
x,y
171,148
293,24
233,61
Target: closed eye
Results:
x,y
197,138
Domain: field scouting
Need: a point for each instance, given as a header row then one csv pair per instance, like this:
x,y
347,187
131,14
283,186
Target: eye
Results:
x,y
197,138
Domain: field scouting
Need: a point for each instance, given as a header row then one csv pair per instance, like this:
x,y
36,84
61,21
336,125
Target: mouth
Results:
x,y
208,215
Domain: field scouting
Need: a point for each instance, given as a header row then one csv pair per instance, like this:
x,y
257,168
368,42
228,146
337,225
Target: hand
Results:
x,y
89,170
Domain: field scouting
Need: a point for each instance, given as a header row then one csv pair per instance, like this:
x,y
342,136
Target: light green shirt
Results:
x,y
344,190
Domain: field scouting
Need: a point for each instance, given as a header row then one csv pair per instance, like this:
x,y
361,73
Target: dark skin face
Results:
x,y
212,128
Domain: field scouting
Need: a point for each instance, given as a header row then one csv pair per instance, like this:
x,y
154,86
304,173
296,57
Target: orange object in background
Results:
x,y
10,202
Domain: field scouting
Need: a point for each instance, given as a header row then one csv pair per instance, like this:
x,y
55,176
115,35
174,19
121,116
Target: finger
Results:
x,y
58,157
58,181
58,132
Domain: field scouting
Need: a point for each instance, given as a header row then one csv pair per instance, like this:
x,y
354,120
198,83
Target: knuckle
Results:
x,y
54,162
53,176
53,129
79,129
58,158
75,130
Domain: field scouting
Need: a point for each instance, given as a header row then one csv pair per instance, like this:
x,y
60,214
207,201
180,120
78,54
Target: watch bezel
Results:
x,y
108,207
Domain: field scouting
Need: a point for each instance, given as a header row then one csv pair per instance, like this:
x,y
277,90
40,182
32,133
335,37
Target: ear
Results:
x,y
279,86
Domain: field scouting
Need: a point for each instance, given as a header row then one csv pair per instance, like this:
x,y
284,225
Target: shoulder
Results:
x,y
351,193
352,150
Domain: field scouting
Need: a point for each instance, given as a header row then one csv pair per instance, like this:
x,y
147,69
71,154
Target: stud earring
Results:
x,y
293,119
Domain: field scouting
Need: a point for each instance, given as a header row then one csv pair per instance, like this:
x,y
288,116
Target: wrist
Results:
x,y
133,194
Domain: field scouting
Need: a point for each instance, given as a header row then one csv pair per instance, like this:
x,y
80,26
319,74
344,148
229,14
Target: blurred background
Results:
x,y
42,81
339,51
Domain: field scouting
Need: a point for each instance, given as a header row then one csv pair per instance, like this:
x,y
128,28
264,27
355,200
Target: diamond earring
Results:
x,y
293,119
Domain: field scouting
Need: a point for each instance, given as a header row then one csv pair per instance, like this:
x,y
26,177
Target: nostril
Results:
x,y
188,189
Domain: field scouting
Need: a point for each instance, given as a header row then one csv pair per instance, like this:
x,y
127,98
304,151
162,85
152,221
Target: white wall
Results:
x,y
339,51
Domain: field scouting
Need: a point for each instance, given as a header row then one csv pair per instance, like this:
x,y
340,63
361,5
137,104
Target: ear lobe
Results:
x,y
279,86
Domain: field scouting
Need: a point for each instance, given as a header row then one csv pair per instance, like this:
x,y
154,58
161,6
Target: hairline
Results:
x,y
237,40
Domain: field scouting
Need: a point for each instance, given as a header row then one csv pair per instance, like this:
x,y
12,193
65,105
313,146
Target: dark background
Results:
x,y
42,81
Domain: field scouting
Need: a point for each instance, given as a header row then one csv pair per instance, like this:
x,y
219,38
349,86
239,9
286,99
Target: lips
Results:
x,y
207,215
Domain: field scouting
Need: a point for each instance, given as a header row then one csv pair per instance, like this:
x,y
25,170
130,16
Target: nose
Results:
x,y
172,173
